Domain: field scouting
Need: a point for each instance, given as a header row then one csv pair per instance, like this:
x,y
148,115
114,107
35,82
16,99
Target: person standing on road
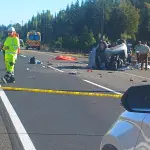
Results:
x,y
100,55
143,50
11,46
137,52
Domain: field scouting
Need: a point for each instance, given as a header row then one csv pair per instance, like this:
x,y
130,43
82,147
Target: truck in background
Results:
x,y
33,40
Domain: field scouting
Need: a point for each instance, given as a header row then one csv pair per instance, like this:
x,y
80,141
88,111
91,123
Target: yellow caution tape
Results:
x,y
78,93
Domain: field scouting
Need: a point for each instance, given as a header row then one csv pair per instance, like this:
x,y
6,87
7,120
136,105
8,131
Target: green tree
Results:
x,y
79,26
124,20
144,27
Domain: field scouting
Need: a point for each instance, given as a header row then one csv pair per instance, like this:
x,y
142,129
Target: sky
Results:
x,y
16,11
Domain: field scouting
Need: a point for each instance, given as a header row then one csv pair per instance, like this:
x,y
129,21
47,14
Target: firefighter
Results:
x,y
11,46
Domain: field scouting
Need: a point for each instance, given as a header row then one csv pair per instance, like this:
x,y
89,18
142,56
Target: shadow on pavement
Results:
x,y
72,67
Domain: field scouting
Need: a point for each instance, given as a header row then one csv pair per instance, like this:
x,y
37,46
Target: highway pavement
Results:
x,y
58,122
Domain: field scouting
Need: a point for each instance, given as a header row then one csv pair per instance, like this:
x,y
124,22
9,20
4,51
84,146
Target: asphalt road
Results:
x,y
60,122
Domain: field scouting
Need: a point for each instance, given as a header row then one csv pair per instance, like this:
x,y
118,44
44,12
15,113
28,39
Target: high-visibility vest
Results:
x,y
13,44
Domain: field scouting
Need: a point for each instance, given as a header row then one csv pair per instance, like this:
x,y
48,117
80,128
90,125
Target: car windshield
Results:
x,y
34,37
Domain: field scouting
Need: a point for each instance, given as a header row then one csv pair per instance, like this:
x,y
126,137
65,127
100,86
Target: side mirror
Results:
x,y
137,99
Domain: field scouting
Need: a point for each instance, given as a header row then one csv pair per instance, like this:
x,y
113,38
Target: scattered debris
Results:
x,y
131,79
28,69
43,67
89,70
33,77
32,60
125,68
49,63
110,72
59,65
38,62
23,56
73,72
93,102
138,66
48,66
100,75
144,80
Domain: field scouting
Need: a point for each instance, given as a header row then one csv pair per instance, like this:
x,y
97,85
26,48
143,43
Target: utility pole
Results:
x,y
43,29
22,23
102,20
11,23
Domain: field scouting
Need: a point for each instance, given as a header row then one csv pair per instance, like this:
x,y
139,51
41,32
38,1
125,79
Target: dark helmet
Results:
x,y
105,44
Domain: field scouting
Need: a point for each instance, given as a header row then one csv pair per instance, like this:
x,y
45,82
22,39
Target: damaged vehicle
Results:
x,y
116,56
111,58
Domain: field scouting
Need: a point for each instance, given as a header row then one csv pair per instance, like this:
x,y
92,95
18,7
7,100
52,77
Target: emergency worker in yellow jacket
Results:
x,y
10,47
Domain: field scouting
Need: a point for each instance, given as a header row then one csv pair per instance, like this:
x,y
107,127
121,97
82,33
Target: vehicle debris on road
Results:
x,y
74,72
32,60
49,63
138,66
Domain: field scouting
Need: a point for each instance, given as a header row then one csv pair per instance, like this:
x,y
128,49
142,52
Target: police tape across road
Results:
x,y
62,92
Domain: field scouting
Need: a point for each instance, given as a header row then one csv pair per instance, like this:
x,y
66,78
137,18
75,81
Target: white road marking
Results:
x,y
135,75
55,69
20,130
23,56
102,87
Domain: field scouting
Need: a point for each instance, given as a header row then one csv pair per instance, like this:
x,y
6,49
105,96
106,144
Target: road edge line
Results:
x,y
103,87
14,125
135,75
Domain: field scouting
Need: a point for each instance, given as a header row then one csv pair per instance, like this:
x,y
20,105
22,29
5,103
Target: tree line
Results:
x,y
78,27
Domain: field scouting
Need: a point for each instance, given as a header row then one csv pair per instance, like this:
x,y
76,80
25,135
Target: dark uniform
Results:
x,y
100,54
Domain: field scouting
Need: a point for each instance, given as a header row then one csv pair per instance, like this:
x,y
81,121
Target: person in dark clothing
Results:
x,y
130,55
100,54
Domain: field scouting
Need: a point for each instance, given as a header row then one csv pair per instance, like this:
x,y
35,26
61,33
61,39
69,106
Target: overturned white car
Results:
x,y
115,57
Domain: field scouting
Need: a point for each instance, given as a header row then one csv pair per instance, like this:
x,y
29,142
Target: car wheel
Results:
x,y
109,147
